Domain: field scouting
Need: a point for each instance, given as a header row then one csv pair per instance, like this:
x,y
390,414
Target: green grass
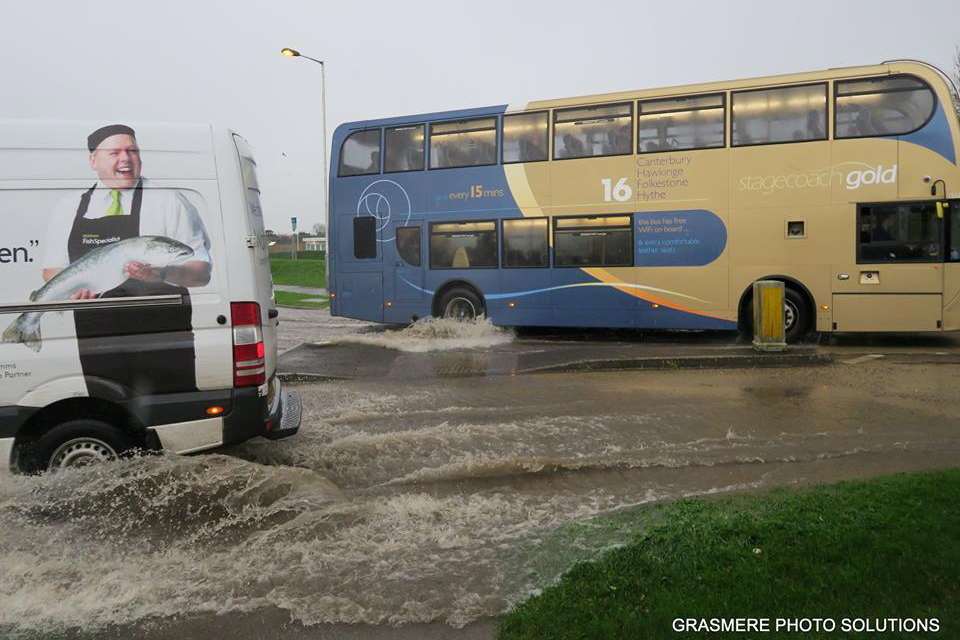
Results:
x,y
287,299
876,549
303,272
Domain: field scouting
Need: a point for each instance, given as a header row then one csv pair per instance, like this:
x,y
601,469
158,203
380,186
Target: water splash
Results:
x,y
435,334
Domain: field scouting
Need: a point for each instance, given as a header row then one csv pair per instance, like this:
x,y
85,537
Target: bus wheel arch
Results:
x,y
85,420
458,298
798,300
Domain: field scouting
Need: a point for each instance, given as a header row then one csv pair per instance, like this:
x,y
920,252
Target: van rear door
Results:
x,y
257,243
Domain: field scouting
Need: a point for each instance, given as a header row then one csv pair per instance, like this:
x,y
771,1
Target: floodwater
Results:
x,y
444,502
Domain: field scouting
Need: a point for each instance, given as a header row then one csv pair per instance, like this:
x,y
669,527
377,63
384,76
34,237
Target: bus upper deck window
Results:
x,y
463,143
677,124
360,154
525,137
403,149
586,132
882,106
783,114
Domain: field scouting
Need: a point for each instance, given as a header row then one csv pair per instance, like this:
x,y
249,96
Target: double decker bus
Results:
x,y
659,208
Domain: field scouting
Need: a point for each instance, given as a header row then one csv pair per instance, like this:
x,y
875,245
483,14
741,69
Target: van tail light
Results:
x,y
249,364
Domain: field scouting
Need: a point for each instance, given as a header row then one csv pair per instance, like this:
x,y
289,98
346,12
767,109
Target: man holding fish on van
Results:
x,y
105,219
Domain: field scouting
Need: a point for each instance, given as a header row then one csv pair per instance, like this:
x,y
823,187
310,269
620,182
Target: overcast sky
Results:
x,y
218,61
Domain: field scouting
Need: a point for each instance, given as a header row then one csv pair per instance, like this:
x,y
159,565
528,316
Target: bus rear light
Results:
x,y
214,410
249,364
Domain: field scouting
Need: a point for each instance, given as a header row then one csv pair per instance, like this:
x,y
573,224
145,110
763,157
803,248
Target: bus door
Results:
x,y
403,258
951,269
897,282
359,272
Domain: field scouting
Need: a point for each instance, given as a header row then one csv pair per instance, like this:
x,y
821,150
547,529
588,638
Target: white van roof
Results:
x,y
57,149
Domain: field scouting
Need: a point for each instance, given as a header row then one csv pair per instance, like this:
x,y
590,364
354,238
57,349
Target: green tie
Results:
x,y
115,208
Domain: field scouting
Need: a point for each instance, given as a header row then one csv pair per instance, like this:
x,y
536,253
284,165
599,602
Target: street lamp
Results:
x,y
293,53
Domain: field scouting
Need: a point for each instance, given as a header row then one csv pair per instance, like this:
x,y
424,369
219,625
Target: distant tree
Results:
x,y
318,229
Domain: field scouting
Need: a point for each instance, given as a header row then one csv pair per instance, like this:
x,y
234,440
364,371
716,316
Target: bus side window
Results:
x,y
899,233
463,143
585,132
408,245
525,137
954,254
595,241
525,243
463,245
404,149
681,123
360,154
786,114
882,106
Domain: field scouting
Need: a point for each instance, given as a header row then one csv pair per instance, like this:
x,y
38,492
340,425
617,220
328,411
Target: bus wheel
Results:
x,y
797,315
79,443
461,304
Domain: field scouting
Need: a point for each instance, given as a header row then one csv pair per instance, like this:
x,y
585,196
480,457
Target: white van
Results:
x,y
136,301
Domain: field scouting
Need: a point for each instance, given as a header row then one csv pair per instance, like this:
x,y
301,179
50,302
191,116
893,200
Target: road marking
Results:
x,y
862,359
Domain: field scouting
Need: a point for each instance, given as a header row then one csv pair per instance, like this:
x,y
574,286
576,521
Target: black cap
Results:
x,y
101,134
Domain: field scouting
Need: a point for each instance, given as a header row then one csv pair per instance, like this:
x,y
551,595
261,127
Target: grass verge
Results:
x,y
883,548
298,300
304,272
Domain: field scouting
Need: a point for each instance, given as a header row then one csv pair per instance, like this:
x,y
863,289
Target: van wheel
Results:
x,y
461,304
79,443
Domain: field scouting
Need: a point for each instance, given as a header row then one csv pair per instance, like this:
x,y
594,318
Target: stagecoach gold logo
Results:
x,y
822,178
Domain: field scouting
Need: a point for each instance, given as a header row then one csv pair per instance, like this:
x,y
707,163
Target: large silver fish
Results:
x,y
99,270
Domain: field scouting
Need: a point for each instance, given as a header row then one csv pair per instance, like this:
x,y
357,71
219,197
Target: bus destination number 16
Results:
x,y
619,192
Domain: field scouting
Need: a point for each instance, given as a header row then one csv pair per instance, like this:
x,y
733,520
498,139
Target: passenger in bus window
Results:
x,y
531,150
572,147
619,141
861,122
887,228
814,126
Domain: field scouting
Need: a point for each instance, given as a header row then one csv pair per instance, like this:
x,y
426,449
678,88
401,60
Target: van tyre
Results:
x,y
461,304
79,443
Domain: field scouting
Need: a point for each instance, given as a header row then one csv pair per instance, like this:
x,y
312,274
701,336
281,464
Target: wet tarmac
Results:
x,y
423,506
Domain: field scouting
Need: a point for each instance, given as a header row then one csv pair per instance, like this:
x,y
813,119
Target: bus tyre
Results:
x,y
797,315
79,443
461,304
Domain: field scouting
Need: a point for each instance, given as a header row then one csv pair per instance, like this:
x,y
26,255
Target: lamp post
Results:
x,y
293,53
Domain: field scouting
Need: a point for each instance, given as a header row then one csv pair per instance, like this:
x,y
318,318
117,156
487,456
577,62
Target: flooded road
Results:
x,y
434,504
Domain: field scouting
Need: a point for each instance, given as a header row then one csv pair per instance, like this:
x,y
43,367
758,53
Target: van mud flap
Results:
x,y
286,422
